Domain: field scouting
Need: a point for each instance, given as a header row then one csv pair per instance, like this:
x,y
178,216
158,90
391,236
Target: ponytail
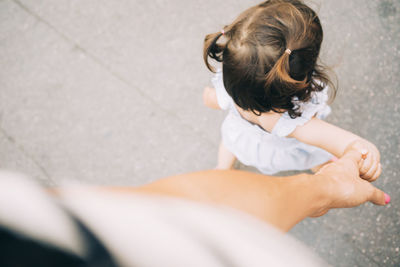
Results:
x,y
258,73
280,73
212,49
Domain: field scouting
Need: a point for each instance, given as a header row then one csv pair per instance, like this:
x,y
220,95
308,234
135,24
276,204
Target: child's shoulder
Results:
x,y
282,124
317,105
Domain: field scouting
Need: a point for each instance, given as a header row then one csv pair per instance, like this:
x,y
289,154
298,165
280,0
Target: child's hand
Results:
x,y
210,98
370,166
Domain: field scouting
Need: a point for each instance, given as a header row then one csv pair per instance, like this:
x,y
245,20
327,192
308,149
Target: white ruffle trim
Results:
x,y
224,100
317,106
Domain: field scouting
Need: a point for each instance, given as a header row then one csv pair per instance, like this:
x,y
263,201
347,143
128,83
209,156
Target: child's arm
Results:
x,y
210,98
319,133
333,139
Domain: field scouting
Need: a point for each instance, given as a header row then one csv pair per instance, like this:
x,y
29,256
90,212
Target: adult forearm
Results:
x,y
280,201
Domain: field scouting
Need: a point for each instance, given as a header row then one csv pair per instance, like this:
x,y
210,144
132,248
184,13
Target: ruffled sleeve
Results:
x,y
224,100
317,106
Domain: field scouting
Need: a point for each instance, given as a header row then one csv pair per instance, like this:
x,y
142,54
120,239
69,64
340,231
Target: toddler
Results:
x,y
276,92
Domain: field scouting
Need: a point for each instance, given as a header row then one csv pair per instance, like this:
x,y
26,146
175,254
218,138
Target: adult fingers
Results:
x,y
351,158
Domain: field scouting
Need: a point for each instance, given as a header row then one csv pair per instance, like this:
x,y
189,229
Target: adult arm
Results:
x,y
280,201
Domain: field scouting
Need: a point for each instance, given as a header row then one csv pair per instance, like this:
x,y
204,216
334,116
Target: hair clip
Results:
x,y
288,51
223,32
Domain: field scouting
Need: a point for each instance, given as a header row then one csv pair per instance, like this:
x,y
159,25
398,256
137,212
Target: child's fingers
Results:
x,y
377,173
370,174
366,164
375,151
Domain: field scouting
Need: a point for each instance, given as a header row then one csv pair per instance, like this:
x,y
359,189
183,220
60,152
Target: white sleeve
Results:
x,y
317,106
160,231
224,100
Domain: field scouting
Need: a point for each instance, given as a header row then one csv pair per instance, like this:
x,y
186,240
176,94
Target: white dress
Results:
x,y
271,152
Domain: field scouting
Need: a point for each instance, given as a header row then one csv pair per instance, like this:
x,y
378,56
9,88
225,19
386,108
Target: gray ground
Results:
x,y
109,92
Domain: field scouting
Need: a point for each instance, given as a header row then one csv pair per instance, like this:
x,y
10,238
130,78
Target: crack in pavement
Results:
x,y
113,73
21,149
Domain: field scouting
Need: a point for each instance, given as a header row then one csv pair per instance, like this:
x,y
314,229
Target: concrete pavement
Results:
x,y
109,92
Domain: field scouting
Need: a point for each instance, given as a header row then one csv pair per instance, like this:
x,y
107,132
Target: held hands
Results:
x,y
344,188
370,166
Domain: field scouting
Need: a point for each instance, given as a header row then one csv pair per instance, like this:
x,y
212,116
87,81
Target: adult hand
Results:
x,y
345,188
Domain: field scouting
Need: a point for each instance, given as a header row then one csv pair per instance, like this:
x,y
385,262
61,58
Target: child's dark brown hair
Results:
x,y
258,74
